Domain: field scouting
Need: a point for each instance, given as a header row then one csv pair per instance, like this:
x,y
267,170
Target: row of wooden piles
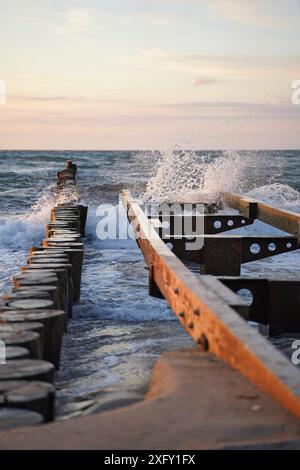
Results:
x,y
34,315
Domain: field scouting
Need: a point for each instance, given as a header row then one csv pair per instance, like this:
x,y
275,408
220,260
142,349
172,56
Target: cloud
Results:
x,y
283,107
54,98
202,125
220,67
89,100
253,12
76,22
202,81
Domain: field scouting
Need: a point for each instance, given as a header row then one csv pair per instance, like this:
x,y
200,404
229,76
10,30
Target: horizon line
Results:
x,y
231,149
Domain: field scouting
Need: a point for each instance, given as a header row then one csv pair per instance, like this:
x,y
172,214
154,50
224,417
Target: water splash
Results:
x,y
279,195
188,176
108,227
20,231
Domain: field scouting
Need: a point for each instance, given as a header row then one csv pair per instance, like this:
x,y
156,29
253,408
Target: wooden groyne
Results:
x,y
201,284
213,400
34,315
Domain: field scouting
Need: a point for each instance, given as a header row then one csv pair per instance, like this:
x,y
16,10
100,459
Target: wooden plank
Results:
x,y
211,322
282,219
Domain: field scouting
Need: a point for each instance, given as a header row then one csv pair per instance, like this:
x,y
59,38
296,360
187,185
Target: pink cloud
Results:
x,y
201,81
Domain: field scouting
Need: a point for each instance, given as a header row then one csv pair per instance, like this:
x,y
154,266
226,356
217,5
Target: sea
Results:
x,y
118,330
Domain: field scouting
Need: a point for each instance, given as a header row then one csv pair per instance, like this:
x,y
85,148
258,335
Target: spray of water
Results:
x,y
23,230
189,176
277,194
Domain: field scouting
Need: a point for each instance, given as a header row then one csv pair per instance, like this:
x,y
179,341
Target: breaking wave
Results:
x,y
19,231
279,195
188,176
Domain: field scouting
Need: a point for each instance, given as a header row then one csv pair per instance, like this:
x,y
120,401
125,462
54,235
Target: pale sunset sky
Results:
x,y
149,74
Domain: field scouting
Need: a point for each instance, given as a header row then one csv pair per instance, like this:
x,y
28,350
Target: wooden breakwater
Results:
x,y
34,315
200,284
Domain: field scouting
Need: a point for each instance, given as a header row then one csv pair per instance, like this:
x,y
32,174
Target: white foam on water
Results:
x,y
187,176
115,282
19,231
278,195
133,307
110,221
9,262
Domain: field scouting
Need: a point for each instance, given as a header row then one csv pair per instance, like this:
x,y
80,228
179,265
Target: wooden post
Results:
x,y
53,323
26,339
34,396
33,316
16,417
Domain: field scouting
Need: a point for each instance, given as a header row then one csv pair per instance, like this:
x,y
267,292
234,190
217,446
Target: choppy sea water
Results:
x,y
118,331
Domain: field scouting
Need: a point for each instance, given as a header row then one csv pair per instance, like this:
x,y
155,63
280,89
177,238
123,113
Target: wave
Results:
x,y
279,195
140,308
20,231
188,176
107,225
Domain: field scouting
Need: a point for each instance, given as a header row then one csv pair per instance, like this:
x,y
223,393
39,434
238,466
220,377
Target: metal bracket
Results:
x,y
224,255
188,225
268,298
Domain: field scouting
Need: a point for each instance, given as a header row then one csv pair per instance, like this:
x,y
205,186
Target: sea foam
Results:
x,y
20,231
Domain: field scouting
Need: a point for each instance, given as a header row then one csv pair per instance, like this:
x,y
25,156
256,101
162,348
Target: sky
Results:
x,y
149,74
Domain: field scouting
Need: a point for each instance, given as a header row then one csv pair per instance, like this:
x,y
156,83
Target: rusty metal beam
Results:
x,y
213,324
232,300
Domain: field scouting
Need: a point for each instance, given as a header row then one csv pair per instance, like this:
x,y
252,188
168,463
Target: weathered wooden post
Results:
x,y
33,317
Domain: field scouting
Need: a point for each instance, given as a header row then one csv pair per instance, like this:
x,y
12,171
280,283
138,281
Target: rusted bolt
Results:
x,y
191,325
197,312
182,314
204,343
176,290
